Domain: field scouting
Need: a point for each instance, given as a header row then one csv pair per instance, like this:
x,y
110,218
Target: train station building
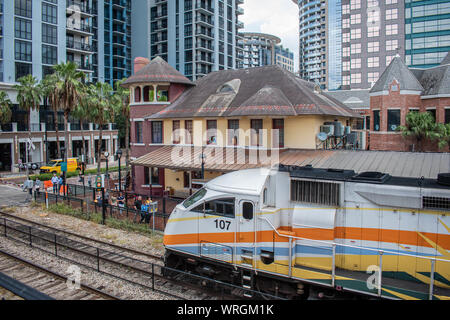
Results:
x,y
184,134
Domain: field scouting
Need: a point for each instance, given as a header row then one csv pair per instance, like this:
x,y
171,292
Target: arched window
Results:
x,y
162,93
137,94
147,91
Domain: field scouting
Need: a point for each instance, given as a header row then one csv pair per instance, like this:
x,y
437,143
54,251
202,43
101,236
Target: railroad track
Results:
x,y
133,266
45,281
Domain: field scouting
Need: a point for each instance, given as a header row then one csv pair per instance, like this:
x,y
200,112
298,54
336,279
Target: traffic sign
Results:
x,y
63,166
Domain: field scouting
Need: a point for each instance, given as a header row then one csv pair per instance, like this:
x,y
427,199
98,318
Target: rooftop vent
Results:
x,y
372,176
444,179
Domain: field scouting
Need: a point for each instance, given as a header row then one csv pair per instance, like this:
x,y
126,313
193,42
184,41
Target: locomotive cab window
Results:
x,y
247,210
194,198
218,207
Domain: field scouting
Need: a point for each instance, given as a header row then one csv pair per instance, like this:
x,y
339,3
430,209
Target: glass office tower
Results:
x,y
427,32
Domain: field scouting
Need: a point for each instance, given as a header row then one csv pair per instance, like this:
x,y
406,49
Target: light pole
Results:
x,y
119,155
106,154
203,158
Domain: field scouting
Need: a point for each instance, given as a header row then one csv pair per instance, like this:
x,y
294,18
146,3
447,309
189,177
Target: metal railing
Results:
x,y
334,247
125,267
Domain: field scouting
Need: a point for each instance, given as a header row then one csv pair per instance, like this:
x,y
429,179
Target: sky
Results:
x,y
279,18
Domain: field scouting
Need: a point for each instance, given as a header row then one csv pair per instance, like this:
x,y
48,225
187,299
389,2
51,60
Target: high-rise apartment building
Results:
x,y
96,34
372,34
334,45
313,26
194,36
427,32
284,58
261,49
37,34
112,40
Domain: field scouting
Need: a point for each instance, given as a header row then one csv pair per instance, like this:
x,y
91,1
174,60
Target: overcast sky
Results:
x,y
279,18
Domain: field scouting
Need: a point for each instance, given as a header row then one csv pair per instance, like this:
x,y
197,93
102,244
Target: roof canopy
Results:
x,y
227,159
158,70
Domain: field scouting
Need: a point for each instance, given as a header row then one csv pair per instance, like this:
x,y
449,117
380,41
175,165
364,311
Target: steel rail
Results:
x,y
33,265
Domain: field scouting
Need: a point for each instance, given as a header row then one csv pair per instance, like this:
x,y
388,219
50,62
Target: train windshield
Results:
x,y
194,198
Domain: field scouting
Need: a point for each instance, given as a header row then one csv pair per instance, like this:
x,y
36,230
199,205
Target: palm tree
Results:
x,y
444,135
5,108
100,105
68,86
29,98
421,126
122,96
50,91
82,111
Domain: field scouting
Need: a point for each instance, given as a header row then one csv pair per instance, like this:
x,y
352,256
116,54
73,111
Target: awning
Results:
x,y
219,159
226,159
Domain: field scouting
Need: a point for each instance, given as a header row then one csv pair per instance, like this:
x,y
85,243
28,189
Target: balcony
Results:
x,y
205,46
74,6
205,34
86,67
79,28
200,58
203,7
119,3
77,46
204,20
239,11
239,25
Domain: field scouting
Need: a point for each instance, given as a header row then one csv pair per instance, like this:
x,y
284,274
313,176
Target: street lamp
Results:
x,y
106,154
119,155
203,158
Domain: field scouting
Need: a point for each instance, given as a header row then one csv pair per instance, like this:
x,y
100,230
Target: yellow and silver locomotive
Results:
x,y
288,230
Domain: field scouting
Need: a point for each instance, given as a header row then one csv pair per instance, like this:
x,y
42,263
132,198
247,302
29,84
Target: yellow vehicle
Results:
x,y
55,166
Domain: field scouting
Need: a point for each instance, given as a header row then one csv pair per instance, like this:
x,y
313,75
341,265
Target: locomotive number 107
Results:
x,y
222,224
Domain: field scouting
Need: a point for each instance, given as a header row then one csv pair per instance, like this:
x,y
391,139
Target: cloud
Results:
x,y
279,18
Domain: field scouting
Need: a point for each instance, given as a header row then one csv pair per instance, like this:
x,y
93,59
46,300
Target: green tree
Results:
x,y
29,96
5,108
421,126
444,135
49,86
101,104
69,81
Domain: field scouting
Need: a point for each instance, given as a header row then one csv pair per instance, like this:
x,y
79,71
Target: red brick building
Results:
x,y
156,84
400,90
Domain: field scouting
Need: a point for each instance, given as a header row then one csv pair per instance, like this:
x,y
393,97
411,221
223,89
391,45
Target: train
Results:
x,y
302,232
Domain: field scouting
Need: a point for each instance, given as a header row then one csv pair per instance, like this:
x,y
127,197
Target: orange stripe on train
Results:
x,y
368,234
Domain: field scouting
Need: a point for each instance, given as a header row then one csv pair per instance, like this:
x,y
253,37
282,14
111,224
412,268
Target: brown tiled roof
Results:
x,y
262,91
157,70
399,164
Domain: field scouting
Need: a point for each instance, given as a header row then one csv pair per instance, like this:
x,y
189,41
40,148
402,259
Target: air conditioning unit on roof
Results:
x,y
328,129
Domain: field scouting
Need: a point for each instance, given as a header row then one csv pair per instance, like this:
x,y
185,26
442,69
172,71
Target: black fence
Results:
x,y
156,220
55,198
